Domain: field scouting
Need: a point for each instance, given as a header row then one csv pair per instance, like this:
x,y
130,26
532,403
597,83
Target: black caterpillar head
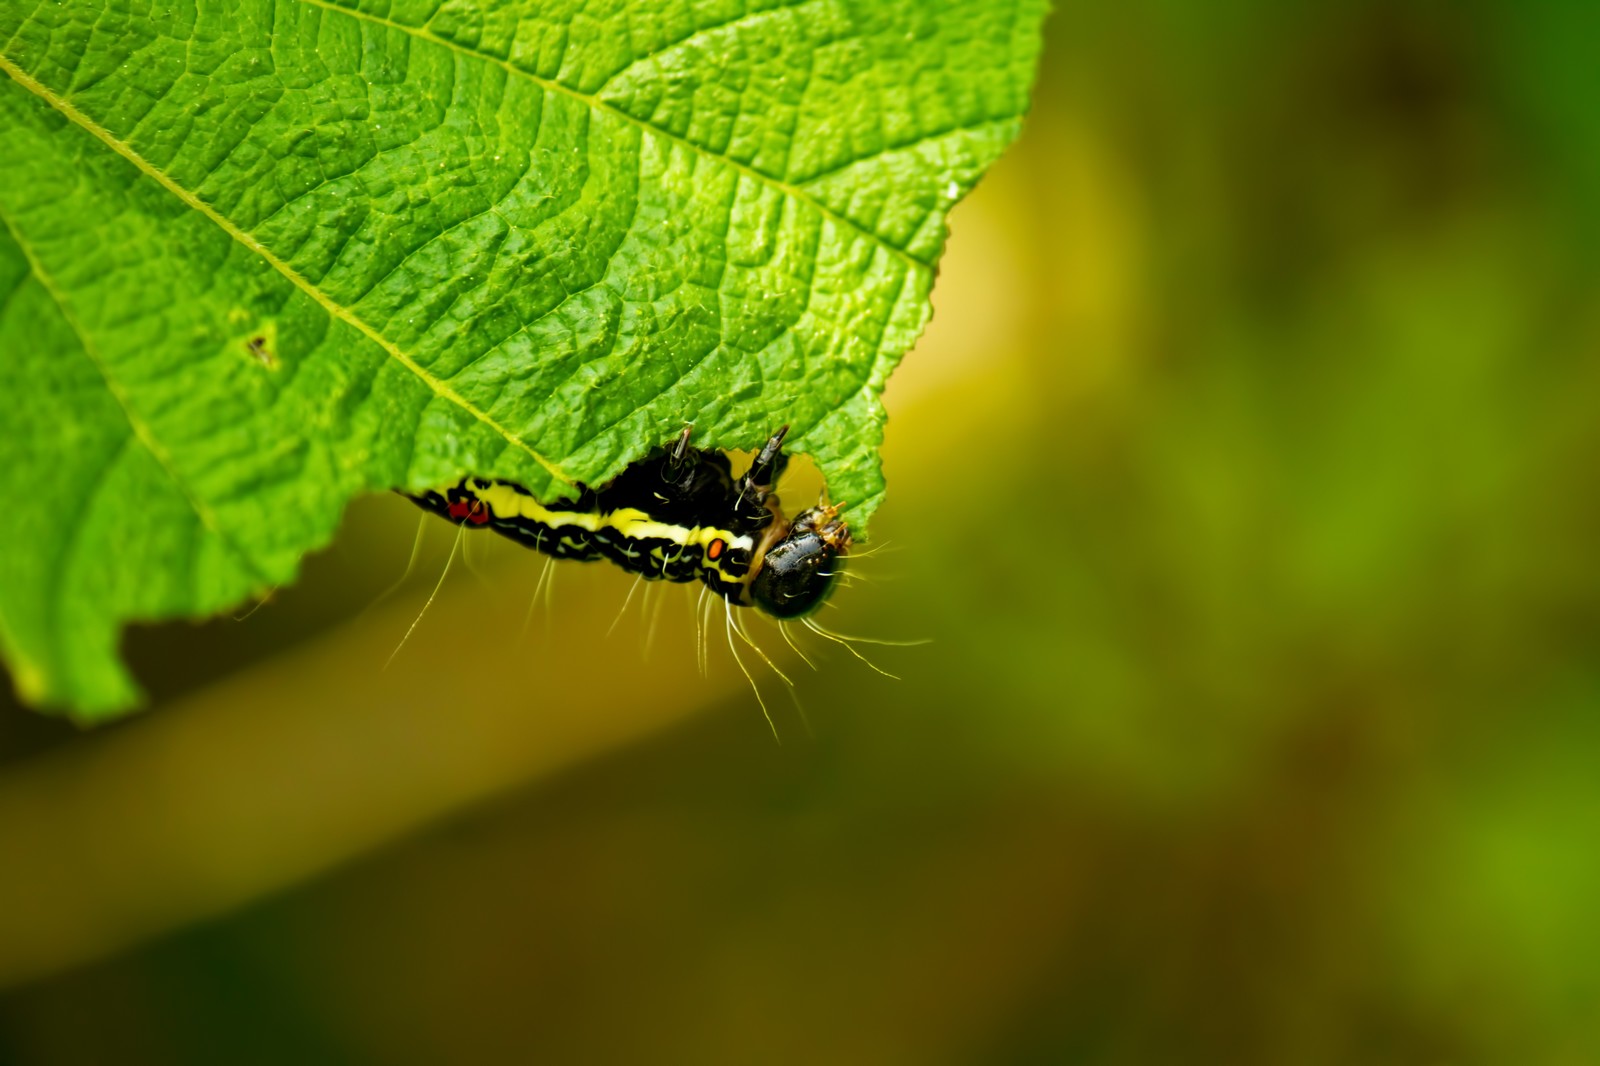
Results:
x,y
798,572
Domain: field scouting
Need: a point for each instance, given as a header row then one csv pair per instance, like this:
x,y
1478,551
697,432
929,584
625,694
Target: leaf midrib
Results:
x,y
332,307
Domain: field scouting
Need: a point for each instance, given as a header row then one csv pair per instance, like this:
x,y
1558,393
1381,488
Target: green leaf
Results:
x,y
258,257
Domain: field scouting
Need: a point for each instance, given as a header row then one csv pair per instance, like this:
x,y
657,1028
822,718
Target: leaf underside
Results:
x,y
259,256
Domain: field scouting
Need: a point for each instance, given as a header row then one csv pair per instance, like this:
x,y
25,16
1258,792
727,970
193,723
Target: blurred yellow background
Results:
x,y
1246,485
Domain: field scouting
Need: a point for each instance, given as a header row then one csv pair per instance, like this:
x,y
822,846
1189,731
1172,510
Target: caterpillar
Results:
x,y
677,515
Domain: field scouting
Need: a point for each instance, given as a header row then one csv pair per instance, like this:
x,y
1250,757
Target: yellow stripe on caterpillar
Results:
x,y
504,501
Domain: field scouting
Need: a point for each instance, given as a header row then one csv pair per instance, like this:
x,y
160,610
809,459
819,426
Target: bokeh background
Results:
x,y
1248,487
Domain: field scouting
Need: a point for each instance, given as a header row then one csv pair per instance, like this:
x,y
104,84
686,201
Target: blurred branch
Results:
x,y
308,760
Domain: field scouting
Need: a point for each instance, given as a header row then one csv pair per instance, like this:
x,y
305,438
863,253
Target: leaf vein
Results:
x,y
903,146
595,104
250,243
698,32
71,543
139,427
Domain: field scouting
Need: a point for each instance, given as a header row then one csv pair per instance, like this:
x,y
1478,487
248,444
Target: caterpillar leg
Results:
x,y
757,483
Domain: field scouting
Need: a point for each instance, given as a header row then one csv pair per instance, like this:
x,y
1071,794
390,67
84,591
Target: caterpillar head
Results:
x,y
799,570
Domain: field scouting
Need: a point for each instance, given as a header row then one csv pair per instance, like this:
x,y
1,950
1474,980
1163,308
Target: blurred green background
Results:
x,y
1247,485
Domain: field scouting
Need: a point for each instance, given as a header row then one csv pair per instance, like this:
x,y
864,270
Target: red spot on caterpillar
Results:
x,y
479,515
460,509
714,550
